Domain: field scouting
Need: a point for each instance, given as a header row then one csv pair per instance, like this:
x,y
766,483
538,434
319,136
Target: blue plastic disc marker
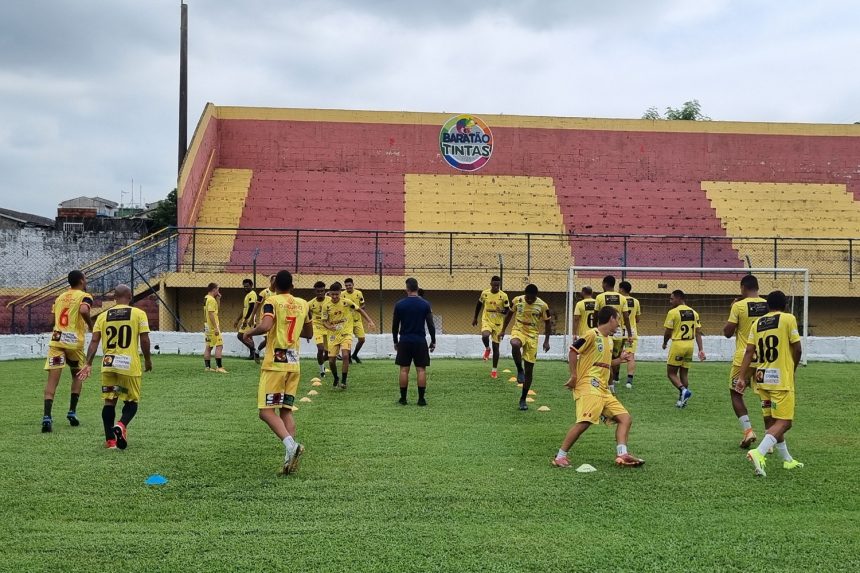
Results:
x,y
156,479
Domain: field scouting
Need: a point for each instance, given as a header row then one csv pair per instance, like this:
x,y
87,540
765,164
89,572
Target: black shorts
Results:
x,y
409,352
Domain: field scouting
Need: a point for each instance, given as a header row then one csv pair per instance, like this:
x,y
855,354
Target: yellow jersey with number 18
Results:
x,y
290,314
120,327
772,335
69,326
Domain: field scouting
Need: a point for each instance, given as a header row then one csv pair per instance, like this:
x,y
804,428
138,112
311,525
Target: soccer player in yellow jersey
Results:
x,y
743,314
493,306
123,331
285,319
609,297
315,307
246,318
775,342
264,294
529,311
71,318
356,296
634,311
590,362
212,329
337,317
584,313
682,327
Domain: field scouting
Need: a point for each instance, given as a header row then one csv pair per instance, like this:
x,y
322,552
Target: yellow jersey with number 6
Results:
x,y
69,326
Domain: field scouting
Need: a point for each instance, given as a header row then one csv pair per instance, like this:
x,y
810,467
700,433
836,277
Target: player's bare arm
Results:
x,y
576,320
547,333
572,358
507,321
667,336
144,348
625,356
91,354
796,353
85,314
627,326
367,318
214,320
700,344
308,329
265,326
729,329
477,313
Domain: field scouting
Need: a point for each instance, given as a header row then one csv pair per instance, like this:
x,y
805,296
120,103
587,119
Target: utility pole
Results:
x,y
183,84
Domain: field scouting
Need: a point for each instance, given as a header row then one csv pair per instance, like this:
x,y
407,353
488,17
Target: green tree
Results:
x,y
164,214
690,111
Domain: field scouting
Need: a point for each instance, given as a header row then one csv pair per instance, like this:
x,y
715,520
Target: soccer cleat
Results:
x,y
628,461
207,369
119,433
343,386
758,461
749,439
629,386
403,402
523,405
793,464
110,444
422,402
494,374
686,395
47,424
561,462
292,466
221,370
72,417
355,358
521,377
486,354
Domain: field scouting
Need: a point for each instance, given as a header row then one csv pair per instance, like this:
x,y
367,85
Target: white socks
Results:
x,y
290,444
621,449
782,448
561,454
744,422
766,444
322,368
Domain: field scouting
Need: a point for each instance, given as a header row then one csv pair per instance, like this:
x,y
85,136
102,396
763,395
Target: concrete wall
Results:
x,y
819,349
30,257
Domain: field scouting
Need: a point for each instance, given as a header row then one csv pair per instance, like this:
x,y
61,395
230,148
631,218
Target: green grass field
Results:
x,y
462,485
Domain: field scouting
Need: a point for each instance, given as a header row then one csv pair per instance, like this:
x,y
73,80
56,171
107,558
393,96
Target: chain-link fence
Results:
x,y
175,265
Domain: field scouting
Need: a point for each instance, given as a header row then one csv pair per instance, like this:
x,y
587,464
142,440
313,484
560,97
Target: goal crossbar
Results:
x,y
571,302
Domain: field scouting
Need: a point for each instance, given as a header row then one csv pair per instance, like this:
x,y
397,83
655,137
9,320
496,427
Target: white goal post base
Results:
x,y
695,275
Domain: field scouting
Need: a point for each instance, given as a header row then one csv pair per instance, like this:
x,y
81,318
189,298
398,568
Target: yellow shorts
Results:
x,y
277,389
338,343
777,404
735,373
213,341
590,407
680,353
493,327
321,336
358,327
529,348
59,357
618,347
631,347
126,388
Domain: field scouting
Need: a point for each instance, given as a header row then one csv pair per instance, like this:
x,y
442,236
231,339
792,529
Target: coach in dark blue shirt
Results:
x,y
410,316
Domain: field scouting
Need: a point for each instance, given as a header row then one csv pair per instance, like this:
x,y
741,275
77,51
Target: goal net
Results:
x,y
710,291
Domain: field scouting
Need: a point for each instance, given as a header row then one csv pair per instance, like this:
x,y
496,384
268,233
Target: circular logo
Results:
x,y
466,142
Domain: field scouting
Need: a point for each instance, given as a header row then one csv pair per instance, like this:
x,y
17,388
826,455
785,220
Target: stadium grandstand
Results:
x,y
374,196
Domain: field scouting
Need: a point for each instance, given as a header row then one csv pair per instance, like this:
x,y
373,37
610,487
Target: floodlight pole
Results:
x,y
183,84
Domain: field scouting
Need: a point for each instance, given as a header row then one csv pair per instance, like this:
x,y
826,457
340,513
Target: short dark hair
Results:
x,y
609,281
348,280
495,278
412,284
531,289
777,300
75,278
284,280
587,290
626,286
319,284
335,286
749,282
247,282
606,313
211,287
678,293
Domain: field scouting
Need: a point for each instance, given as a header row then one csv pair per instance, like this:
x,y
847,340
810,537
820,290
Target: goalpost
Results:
x,y
709,290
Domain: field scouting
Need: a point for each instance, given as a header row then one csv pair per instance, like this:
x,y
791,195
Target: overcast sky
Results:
x,y
88,88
